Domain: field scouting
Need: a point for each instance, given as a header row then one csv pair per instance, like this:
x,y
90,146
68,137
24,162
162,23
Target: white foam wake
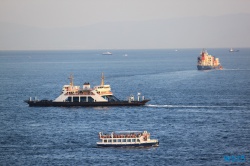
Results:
x,y
189,106
238,69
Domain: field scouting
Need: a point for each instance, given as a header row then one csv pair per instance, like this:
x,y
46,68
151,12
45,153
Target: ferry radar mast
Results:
x,y
102,82
71,78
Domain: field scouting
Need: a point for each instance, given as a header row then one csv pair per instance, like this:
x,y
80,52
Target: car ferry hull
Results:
x,y
49,103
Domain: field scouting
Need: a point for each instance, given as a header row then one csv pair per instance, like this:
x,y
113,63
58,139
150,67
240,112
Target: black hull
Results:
x,y
204,67
154,144
208,67
84,104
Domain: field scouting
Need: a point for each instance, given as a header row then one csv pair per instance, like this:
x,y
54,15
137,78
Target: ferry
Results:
x,y
208,62
100,95
127,138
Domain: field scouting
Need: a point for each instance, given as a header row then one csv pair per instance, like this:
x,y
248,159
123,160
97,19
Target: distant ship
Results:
x,y
208,62
127,138
232,50
106,53
100,95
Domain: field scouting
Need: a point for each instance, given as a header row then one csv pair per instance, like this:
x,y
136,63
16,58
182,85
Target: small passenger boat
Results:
x,y
127,138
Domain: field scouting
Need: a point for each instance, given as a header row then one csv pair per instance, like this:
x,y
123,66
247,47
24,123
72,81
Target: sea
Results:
x,y
199,117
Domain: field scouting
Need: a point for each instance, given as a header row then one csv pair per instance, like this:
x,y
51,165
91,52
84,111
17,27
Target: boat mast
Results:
x,y
102,82
71,78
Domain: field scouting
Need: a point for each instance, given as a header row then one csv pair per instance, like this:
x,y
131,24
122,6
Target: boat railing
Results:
x,y
129,135
79,93
102,93
121,136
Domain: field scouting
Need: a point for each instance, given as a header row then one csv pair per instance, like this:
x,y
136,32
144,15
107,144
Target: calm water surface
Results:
x,y
199,117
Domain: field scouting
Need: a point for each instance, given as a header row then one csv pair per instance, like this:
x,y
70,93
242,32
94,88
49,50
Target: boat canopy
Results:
x,y
127,132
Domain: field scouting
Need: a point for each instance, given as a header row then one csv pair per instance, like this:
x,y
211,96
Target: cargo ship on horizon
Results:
x,y
208,62
100,95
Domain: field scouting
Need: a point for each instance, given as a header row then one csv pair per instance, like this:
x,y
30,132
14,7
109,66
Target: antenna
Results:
x,y
71,78
138,96
102,82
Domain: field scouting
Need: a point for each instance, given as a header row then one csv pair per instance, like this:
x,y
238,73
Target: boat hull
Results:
x,y
199,67
151,144
50,103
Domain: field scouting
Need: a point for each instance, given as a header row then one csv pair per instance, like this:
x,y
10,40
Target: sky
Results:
x,y
54,14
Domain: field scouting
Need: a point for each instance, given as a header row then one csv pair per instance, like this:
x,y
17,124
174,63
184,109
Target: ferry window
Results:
x,y
83,99
105,140
123,140
110,140
69,99
90,99
119,140
129,140
133,140
114,140
138,140
75,99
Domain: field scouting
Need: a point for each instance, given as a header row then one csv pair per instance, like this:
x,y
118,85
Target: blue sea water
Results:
x,y
199,117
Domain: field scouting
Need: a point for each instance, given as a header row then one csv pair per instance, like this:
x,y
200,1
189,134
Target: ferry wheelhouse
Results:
x,y
100,95
126,138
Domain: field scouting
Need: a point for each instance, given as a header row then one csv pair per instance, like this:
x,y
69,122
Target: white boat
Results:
x,y
106,53
232,50
127,138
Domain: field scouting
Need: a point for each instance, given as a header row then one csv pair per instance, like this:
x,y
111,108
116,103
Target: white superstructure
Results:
x,y
100,93
71,93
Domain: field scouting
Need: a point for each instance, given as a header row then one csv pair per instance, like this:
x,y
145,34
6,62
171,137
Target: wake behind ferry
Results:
x,y
100,95
126,138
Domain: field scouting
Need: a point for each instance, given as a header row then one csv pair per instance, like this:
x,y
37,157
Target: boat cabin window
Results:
x,y
123,140
119,140
138,140
114,140
90,99
69,99
133,140
129,140
105,140
83,99
110,140
75,99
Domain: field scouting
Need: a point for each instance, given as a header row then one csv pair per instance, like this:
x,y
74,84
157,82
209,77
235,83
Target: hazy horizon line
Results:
x,y
113,49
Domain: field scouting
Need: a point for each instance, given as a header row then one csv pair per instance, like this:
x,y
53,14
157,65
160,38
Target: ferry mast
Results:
x,y
71,78
102,80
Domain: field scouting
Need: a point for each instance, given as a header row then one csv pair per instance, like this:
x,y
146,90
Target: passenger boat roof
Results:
x,y
127,132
